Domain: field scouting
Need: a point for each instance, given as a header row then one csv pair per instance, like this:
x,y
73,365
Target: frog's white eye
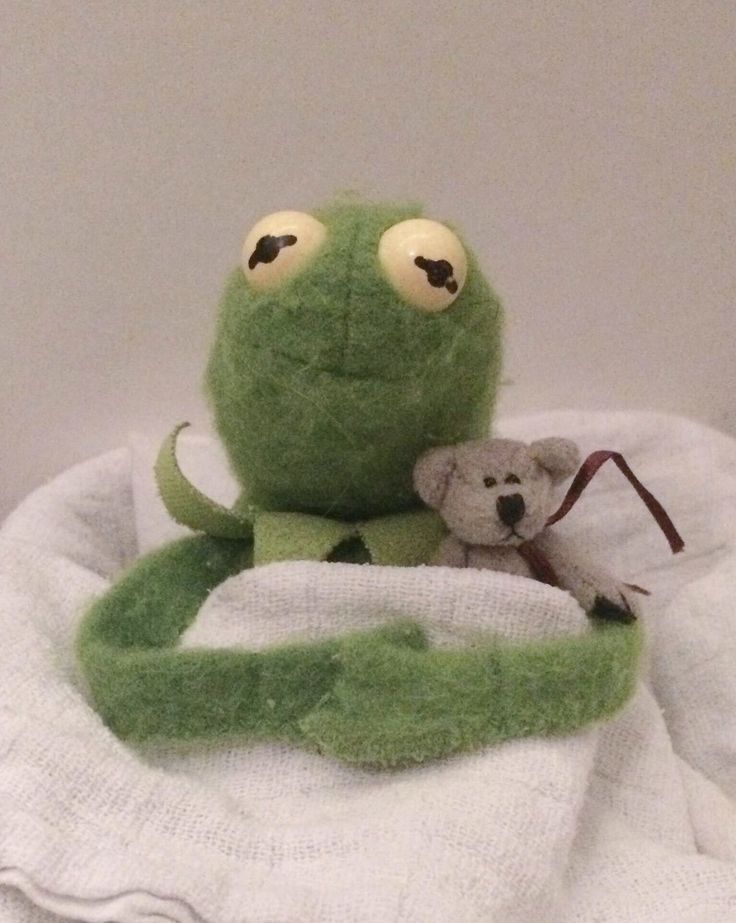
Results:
x,y
279,246
425,263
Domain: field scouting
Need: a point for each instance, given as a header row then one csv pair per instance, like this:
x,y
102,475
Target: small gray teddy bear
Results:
x,y
495,496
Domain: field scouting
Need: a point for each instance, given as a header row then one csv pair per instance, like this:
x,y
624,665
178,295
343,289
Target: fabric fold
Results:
x,y
629,820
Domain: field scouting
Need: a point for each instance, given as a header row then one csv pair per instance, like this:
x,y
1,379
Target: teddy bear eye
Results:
x,y
511,479
490,482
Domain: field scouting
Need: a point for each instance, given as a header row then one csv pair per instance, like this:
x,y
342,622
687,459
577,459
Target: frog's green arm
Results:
x,y
394,706
144,687
378,698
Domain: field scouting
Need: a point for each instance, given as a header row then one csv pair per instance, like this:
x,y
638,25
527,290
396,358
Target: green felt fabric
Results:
x,y
326,390
403,539
188,505
380,698
297,536
392,705
143,687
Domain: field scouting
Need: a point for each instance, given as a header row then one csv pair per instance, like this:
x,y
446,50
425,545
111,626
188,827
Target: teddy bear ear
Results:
x,y
559,457
432,474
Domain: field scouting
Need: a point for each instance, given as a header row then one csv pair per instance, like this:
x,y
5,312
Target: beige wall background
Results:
x,y
588,150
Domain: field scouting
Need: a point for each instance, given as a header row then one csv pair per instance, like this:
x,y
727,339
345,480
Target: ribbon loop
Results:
x,y
586,473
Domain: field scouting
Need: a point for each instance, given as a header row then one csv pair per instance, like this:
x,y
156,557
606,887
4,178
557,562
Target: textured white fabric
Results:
x,y
634,821
281,602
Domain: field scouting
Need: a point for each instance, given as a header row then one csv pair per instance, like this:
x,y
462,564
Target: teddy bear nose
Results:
x,y
511,508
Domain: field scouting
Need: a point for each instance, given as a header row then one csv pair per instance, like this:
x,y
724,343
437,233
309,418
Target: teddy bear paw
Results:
x,y
610,611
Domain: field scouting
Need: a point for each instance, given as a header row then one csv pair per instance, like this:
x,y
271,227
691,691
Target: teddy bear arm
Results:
x,y
598,592
452,552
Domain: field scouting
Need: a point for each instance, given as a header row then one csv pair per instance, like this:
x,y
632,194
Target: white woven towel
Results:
x,y
634,821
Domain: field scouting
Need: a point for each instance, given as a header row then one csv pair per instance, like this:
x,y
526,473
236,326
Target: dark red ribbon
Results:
x,y
584,476
537,560
538,563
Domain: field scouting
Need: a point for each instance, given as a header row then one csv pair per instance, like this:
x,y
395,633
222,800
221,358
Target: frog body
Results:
x,y
348,342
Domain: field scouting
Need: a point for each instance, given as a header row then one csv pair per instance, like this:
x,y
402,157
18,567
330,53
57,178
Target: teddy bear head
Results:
x,y
495,491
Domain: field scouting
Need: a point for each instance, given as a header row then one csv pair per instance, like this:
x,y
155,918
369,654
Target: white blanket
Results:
x,y
632,821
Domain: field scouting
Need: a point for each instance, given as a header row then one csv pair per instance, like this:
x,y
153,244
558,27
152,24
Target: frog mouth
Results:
x,y
333,370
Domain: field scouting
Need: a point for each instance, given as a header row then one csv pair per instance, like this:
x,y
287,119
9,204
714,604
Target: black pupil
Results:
x,y
268,248
439,273
489,482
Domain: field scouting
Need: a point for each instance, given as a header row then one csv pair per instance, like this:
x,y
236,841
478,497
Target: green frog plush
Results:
x,y
350,341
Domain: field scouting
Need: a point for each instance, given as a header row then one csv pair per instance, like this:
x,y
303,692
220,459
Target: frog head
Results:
x,y
349,341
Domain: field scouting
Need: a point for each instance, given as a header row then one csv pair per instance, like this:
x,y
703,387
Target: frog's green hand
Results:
x,y
144,687
393,707
188,505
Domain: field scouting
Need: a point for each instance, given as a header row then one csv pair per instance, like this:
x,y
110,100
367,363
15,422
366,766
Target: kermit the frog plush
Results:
x,y
350,340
